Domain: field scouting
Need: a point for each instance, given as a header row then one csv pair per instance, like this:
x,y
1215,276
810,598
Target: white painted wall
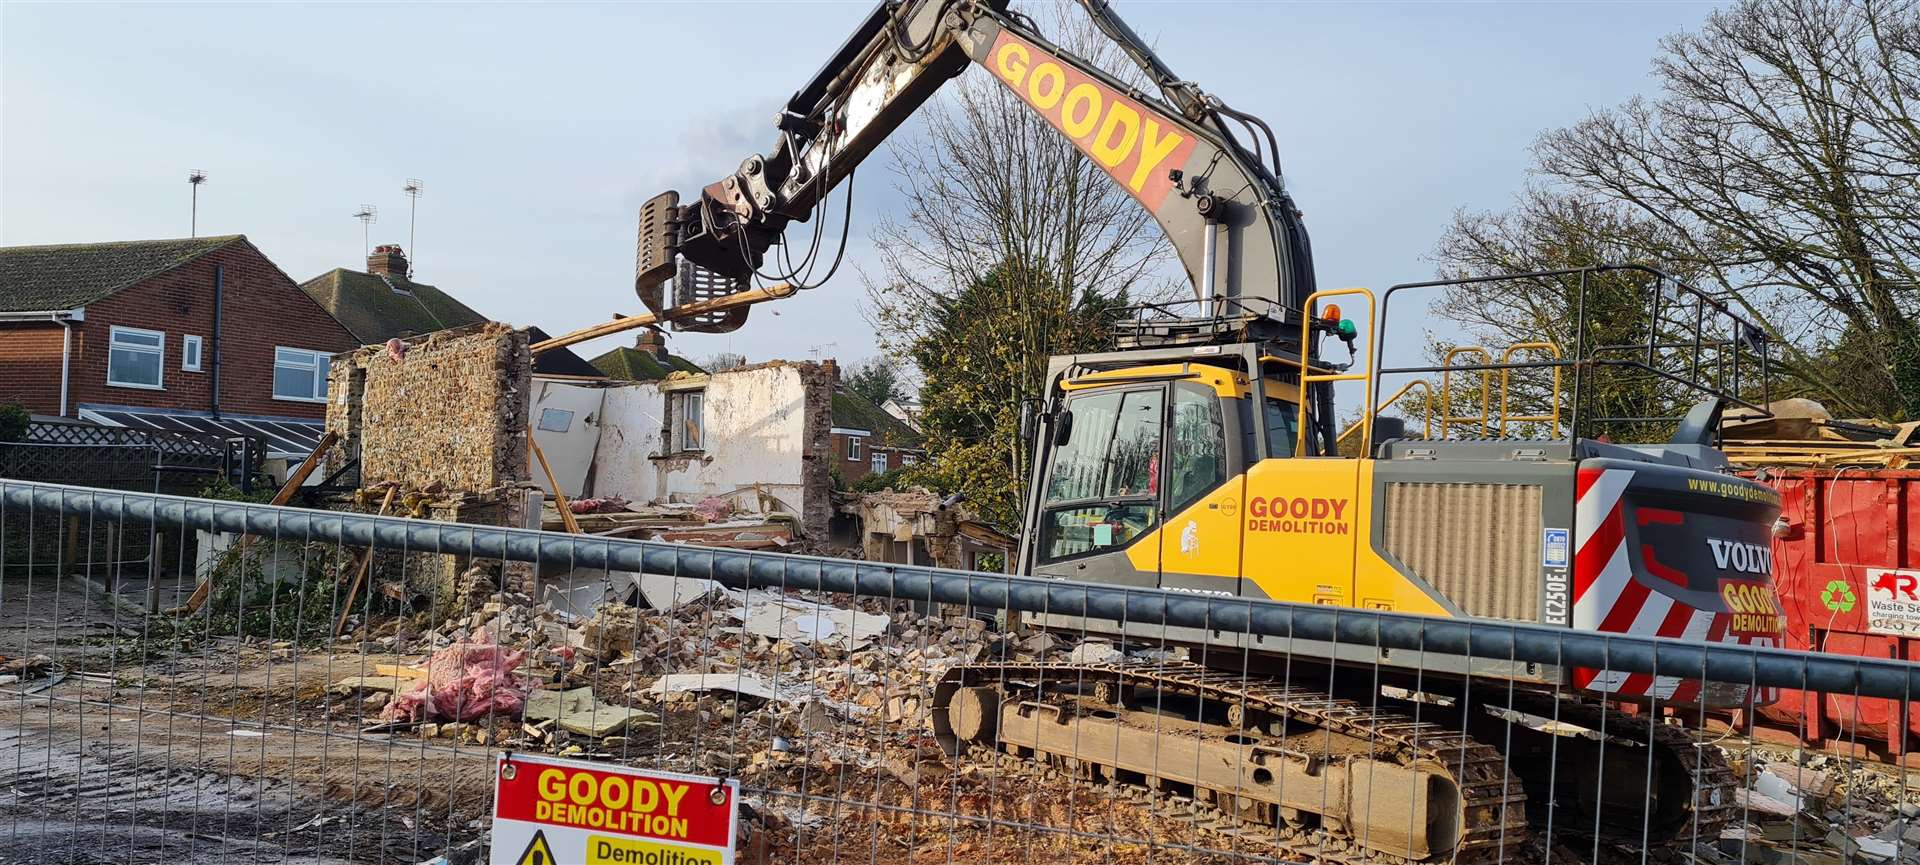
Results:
x,y
630,420
755,437
569,453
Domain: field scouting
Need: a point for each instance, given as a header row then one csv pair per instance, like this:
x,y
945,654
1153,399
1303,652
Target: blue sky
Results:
x,y
539,128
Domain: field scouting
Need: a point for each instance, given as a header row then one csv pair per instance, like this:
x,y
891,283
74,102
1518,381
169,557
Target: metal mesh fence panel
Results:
x,y
334,698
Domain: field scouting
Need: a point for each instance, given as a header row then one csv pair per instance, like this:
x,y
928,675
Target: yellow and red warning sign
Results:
x,y
548,811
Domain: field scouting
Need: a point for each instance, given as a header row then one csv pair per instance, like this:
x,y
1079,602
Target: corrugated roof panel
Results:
x,y
284,439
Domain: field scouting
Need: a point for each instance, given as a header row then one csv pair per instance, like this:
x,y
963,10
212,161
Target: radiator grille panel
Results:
x,y
1479,544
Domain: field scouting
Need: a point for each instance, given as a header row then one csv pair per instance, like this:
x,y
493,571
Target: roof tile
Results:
x,y
69,275
631,364
375,309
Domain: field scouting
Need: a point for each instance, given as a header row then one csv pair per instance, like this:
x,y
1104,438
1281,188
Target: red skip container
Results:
x,y
1847,566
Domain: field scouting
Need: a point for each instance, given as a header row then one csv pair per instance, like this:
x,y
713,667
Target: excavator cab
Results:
x,y
1159,433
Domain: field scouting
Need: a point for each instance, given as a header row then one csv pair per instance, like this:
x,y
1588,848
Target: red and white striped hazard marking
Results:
x,y
1607,598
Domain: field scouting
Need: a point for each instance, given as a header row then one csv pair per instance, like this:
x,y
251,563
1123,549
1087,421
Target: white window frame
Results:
x,y
677,415
853,449
159,348
192,353
878,465
907,459
319,361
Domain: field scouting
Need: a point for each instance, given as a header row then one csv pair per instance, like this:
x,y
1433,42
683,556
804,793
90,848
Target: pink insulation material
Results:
x,y
467,680
714,508
610,504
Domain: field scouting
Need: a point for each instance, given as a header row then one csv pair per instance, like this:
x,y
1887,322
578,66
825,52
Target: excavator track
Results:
x,y
1450,796
1689,800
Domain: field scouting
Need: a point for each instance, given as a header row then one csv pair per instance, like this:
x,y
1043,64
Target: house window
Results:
x,y
135,356
879,461
853,449
555,419
686,410
300,374
908,459
190,353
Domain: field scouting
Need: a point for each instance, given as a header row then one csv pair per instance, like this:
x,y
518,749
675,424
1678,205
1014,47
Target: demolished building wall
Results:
x,y
765,441
450,411
442,422
918,527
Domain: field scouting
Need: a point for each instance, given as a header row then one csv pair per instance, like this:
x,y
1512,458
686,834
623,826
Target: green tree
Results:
x,y
977,370
876,378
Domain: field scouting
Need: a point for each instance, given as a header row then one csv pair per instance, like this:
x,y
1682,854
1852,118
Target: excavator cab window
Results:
x,y
1104,486
1283,428
1197,445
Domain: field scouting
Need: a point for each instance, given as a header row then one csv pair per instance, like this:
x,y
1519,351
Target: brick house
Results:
x,y
867,439
197,335
383,302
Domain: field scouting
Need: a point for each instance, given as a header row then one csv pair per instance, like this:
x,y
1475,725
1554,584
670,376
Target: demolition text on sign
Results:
x,y
594,813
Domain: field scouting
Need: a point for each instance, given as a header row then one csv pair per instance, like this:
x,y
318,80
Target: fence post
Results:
x,y
70,551
153,573
112,579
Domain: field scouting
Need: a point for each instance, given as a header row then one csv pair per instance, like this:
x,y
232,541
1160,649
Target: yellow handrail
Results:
x,y
1553,417
1308,377
1448,420
1426,429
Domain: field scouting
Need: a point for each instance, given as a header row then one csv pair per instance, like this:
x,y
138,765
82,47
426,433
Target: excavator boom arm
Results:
x,y
1227,215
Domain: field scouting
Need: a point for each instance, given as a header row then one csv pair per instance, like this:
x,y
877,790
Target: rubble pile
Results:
x,y
787,691
713,522
1818,809
610,504
25,669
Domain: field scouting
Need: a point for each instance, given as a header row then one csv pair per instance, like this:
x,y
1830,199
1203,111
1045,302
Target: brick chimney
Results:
x,y
387,260
652,341
832,367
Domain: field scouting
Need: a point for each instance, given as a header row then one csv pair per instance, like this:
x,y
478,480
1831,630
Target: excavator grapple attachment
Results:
x,y
653,251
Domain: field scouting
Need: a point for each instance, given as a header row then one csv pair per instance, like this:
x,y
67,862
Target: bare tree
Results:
x,y
991,186
996,197
1548,230
1783,164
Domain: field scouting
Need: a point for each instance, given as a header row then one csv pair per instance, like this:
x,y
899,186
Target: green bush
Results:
x,y
247,601
224,490
14,419
887,480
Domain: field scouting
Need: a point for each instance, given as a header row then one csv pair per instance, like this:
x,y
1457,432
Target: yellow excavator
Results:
x,y
1201,455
